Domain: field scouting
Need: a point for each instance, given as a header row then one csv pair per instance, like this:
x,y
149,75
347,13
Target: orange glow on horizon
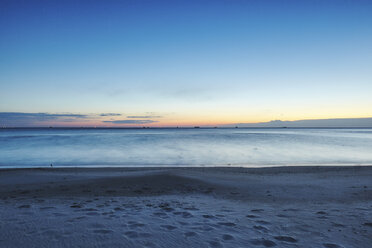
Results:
x,y
164,122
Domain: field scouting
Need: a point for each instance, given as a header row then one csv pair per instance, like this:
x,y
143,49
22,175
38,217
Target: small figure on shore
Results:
x,y
51,165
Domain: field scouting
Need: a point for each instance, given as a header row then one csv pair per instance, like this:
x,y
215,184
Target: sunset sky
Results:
x,y
179,63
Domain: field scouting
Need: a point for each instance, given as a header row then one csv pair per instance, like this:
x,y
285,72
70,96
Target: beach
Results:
x,y
293,206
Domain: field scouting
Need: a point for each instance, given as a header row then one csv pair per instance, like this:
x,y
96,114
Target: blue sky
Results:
x,y
186,62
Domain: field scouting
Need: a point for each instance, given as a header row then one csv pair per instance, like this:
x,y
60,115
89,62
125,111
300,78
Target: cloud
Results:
x,y
335,122
131,121
16,115
144,116
110,114
31,119
22,119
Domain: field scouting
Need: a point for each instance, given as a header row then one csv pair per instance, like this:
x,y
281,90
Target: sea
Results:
x,y
150,147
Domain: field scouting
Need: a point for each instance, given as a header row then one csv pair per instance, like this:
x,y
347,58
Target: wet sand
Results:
x,y
186,207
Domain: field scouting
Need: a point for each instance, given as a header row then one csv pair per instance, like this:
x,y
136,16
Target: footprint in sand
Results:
x,y
77,218
59,214
264,242
103,231
330,245
368,224
168,209
227,237
204,228
46,208
75,205
169,227
286,239
190,234
131,234
263,222
282,216
183,214
230,224
339,225
89,209
208,216
160,214
215,244
261,228
107,213
191,208
186,215
291,210
133,225
257,210
92,213
24,206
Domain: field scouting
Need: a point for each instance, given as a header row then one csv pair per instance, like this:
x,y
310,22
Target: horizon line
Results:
x,y
185,127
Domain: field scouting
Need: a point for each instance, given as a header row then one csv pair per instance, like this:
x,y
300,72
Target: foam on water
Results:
x,y
184,147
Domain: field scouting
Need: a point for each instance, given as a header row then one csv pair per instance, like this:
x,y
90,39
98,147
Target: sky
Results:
x,y
183,63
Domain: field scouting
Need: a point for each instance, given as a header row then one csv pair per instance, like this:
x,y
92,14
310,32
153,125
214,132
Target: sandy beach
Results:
x,y
327,207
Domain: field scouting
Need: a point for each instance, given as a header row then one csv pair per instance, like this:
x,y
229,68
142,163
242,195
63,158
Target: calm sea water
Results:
x,y
184,147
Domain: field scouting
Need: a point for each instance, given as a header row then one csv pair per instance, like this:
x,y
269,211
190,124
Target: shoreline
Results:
x,y
223,179
225,167
294,206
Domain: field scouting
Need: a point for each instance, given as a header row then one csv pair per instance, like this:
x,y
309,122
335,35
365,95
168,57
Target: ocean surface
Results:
x,y
248,147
